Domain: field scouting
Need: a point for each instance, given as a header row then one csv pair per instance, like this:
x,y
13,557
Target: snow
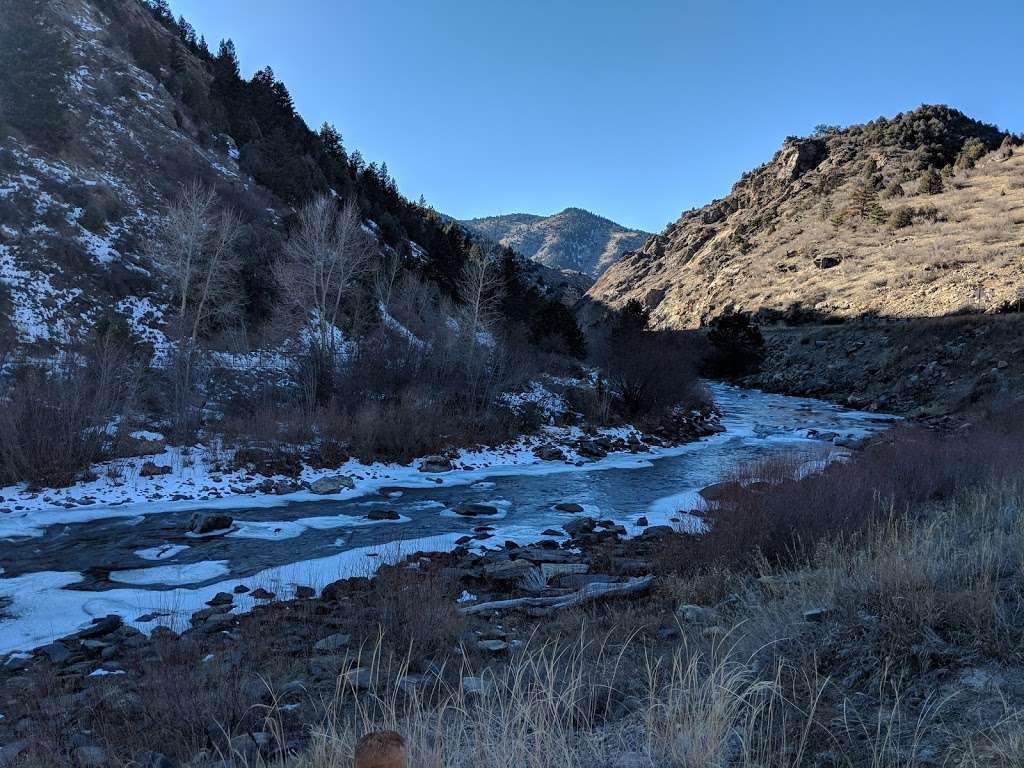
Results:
x,y
44,610
165,552
190,573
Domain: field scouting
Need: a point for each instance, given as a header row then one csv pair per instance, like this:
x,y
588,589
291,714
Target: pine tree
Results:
x,y
930,182
34,65
865,199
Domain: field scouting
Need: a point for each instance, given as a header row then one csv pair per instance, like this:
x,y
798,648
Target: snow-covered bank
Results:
x,y
43,609
194,482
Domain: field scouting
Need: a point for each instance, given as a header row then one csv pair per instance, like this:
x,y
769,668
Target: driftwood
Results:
x,y
598,590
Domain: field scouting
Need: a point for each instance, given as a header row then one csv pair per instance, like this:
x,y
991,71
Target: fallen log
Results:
x,y
598,590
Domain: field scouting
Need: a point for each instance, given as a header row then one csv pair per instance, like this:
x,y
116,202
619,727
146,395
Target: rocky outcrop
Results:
x,y
835,226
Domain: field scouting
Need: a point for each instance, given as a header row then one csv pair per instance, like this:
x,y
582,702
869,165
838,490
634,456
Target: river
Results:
x,y
144,565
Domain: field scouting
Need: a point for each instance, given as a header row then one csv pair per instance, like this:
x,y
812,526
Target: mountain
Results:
x,y
111,107
915,215
574,239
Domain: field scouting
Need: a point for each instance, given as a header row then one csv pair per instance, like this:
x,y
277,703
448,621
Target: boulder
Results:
x,y
149,469
435,464
697,614
332,643
331,484
475,510
568,506
221,598
580,525
203,523
549,453
492,646
383,514
101,627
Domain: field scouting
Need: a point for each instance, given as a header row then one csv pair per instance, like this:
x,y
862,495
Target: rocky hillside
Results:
x,y
574,239
916,215
110,107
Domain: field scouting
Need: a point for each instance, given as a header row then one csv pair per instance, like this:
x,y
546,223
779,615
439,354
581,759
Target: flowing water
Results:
x,y
146,563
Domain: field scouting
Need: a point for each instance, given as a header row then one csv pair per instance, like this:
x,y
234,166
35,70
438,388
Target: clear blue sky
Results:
x,y
635,110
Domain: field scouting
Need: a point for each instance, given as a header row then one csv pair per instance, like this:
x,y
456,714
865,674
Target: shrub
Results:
x,y
416,612
894,190
54,419
930,182
901,217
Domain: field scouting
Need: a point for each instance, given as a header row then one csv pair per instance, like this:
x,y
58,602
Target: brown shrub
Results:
x,y
416,613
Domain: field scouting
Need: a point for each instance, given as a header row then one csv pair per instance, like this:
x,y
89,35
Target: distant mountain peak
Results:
x,y
573,239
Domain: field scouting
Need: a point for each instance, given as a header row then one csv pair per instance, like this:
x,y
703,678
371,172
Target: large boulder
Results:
x,y
436,464
150,469
204,523
331,484
475,510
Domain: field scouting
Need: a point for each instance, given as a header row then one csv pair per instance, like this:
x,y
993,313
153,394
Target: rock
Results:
x,y
57,653
817,614
221,598
325,666
383,514
828,261
331,484
569,507
475,686
261,594
492,646
332,643
657,532
549,453
697,614
435,464
203,523
580,525
149,469
88,757
359,678
591,449
507,570
642,522
249,746
304,593
153,760
241,589
475,510
101,627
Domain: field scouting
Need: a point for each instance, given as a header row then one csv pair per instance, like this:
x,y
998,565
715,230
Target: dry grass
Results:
x,y
963,243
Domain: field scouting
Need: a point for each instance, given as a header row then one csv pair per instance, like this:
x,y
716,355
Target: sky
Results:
x,y
634,110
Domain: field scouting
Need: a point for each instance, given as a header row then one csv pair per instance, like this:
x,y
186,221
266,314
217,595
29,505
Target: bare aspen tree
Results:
x,y
479,290
195,248
386,278
326,252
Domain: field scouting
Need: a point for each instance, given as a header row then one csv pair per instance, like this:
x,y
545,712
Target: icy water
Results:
x,y
146,563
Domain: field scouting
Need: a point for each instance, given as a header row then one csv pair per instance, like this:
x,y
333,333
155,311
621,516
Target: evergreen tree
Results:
x,y
34,65
930,182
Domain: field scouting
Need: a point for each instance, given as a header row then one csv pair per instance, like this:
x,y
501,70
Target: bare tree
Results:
x,y
479,290
195,248
386,278
325,254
